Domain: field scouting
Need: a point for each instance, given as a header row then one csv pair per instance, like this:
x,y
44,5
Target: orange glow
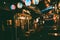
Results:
x,y
47,5
9,22
55,17
17,23
48,1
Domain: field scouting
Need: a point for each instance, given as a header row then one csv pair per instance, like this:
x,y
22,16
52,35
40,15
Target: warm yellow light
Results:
x,y
47,5
49,1
55,34
59,5
9,22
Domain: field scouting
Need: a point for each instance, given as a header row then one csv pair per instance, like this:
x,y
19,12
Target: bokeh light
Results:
x,y
19,5
35,2
27,2
13,7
